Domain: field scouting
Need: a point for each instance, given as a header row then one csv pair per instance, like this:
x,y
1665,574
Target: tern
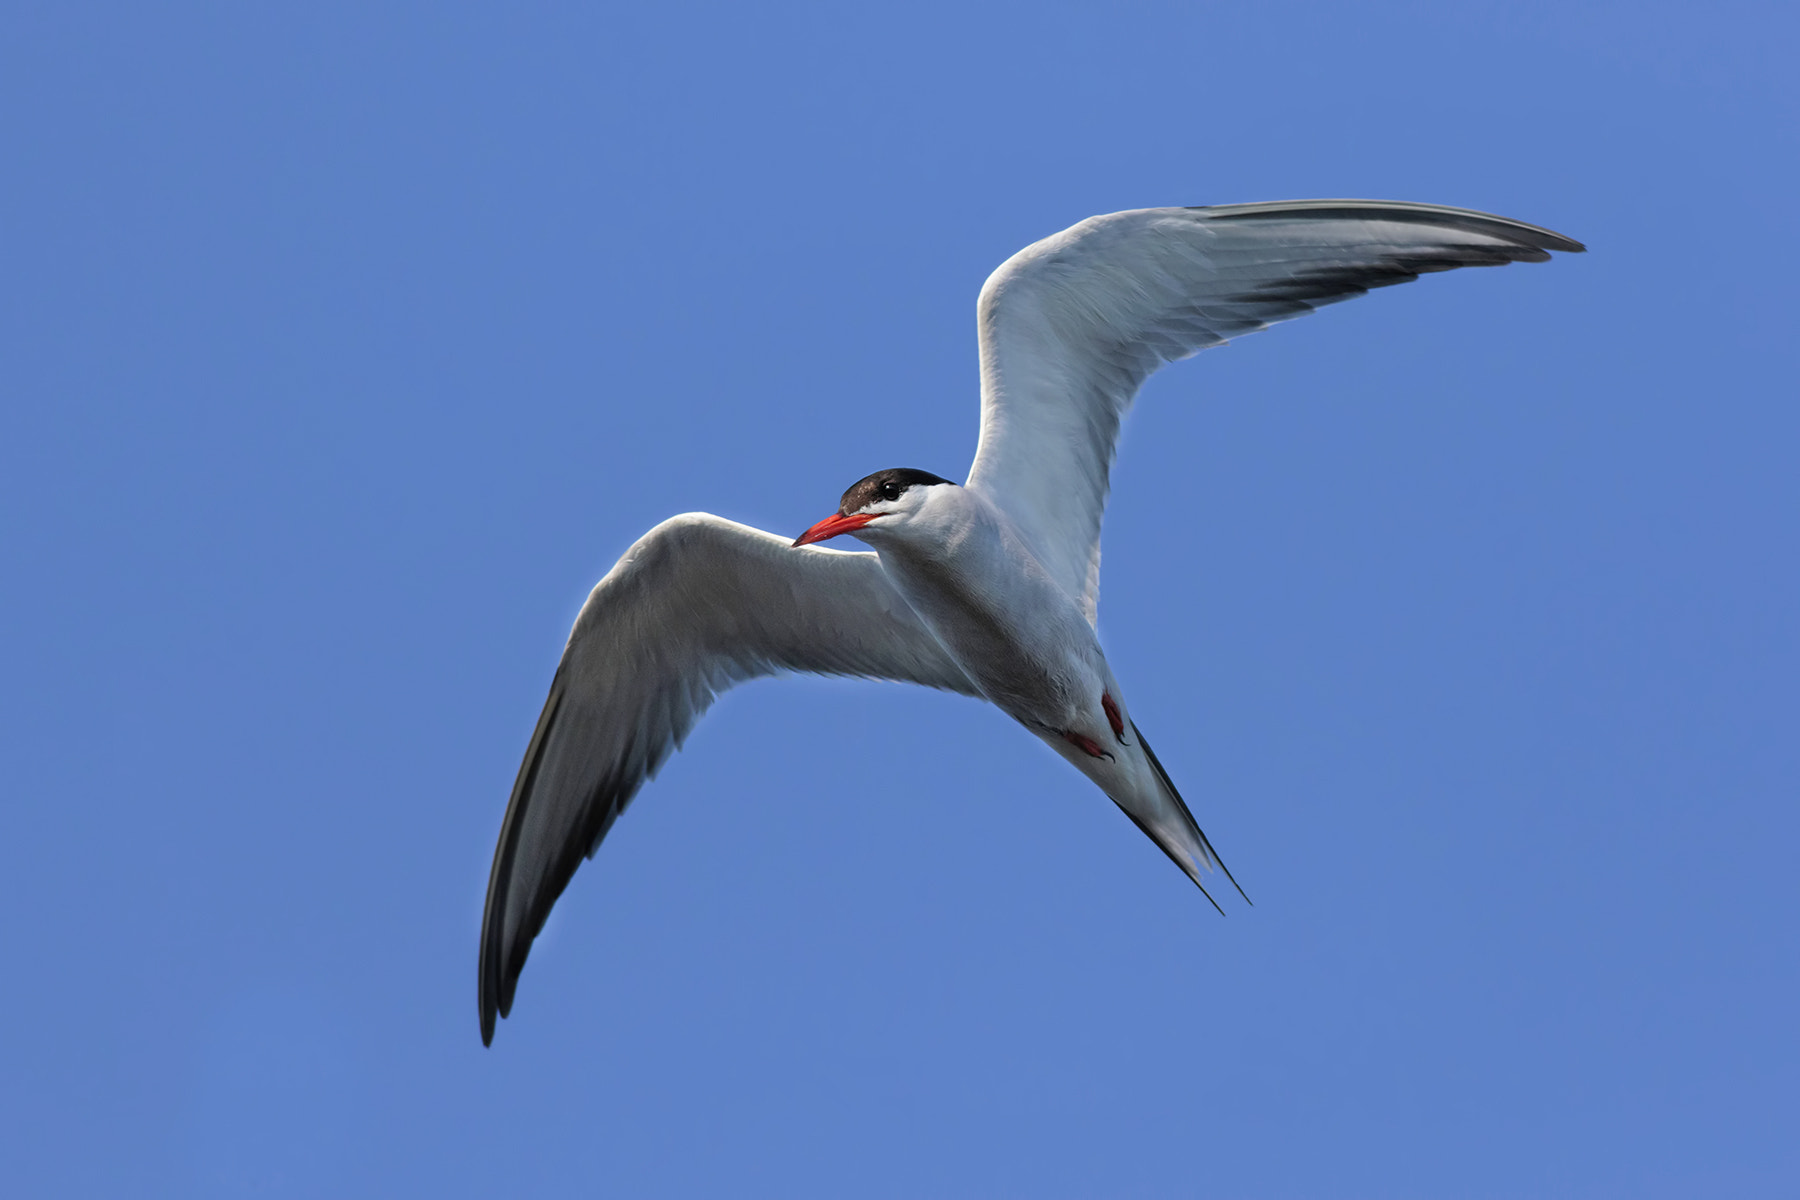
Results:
x,y
988,588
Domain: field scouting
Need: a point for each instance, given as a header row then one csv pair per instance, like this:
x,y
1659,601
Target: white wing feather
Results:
x,y
1072,326
697,605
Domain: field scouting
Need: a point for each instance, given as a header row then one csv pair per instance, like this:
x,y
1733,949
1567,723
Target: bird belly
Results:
x,y
1021,641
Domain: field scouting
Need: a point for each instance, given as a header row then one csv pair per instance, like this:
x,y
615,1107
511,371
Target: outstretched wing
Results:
x,y
697,605
1073,325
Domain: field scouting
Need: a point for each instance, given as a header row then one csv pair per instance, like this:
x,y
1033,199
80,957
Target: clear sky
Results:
x,y
344,346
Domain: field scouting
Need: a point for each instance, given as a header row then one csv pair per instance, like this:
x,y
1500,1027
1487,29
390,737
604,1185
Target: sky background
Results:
x,y
344,346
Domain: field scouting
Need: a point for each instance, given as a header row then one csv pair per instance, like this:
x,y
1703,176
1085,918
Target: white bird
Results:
x,y
988,589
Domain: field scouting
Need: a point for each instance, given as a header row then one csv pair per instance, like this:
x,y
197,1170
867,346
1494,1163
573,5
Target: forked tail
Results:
x,y
1209,856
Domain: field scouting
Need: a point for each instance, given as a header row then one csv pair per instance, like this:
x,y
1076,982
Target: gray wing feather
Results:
x,y
697,605
1072,326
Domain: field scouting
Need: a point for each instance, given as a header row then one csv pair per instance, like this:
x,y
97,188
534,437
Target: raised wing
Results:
x,y
697,605
1073,325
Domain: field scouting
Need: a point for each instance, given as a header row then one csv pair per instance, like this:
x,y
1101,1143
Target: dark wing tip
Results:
x,y
506,936
498,970
1467,219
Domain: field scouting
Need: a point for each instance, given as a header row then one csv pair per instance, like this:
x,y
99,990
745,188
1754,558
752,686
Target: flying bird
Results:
x,y
988,588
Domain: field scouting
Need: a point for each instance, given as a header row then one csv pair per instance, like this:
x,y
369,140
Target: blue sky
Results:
x,y
345,346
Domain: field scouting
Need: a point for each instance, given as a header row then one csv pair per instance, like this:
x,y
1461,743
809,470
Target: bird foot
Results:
x,y
1113,718
1085,744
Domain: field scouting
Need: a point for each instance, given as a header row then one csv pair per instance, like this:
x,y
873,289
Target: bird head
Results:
x,y
891,497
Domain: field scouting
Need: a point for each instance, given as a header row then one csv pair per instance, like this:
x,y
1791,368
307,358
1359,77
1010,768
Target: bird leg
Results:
x,y
1085,744
1113,718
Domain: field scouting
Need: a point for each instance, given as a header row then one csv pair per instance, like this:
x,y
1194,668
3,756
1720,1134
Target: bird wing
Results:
x,y
698,604
1072,326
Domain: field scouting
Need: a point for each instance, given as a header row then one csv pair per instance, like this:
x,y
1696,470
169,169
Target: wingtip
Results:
x,y
488,1009
1404,210
496,998
498,966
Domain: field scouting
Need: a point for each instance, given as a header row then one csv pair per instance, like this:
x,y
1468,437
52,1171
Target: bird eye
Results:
x,y
890,491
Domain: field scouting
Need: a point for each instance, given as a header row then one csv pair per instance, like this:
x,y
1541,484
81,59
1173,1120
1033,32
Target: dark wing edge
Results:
x,y
1514,241
497,980
1469,220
